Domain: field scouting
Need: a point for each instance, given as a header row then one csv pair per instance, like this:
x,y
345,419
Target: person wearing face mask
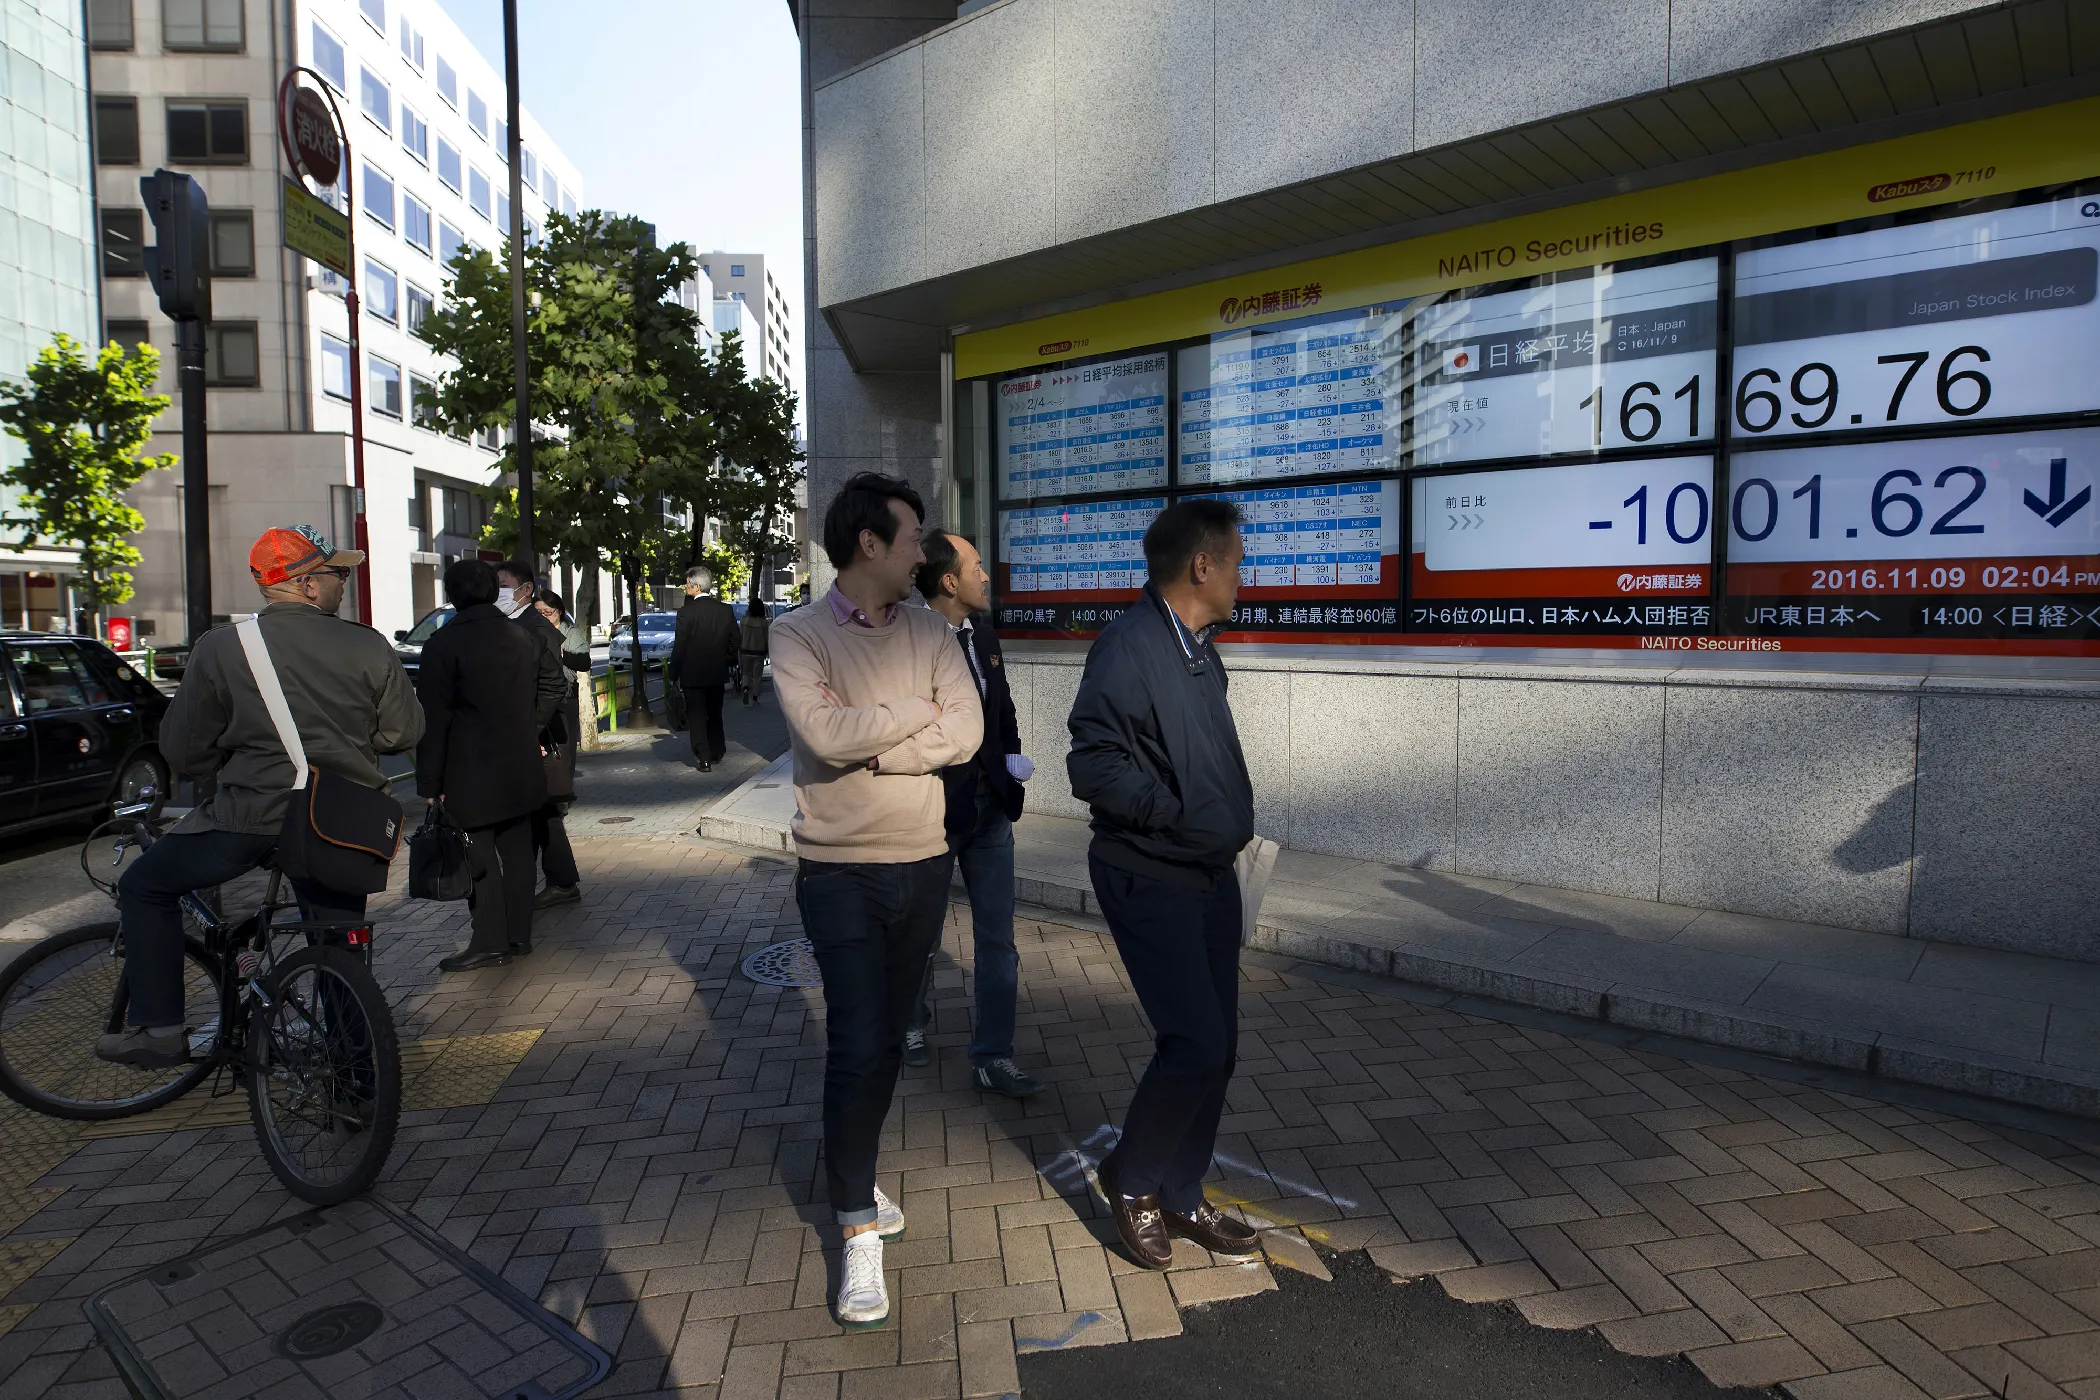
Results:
x,y
518,597
350,701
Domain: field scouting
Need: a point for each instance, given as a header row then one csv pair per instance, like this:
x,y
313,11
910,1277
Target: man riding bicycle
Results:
x,y
351,702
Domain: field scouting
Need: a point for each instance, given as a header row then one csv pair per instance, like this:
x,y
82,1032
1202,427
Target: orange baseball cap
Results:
x,y
294,551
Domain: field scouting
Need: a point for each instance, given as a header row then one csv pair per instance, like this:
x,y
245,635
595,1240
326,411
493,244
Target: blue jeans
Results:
x,y
987,859
873,928
1181,949
149,907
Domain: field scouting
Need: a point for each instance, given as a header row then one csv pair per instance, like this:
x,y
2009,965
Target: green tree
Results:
x,y
85,422
763,468
619,390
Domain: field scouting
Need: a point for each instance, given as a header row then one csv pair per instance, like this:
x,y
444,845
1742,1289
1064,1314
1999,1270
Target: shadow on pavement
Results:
x,y
1362,1335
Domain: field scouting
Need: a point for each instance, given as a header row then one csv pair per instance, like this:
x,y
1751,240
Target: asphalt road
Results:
x,y
41,887
1362,1335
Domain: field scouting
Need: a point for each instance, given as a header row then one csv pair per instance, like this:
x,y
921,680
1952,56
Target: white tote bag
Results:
x,y
1253,865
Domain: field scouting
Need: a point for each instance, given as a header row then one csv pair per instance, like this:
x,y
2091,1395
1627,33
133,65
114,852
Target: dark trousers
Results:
x,y
500,858
873,928
550,837
703,721
986,854
1181,949
149,906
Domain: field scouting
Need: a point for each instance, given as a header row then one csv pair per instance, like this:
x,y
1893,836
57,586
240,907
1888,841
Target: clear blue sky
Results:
x,y
685,112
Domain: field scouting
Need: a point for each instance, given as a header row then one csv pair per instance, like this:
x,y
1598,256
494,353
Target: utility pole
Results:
x,y
522,428
179,265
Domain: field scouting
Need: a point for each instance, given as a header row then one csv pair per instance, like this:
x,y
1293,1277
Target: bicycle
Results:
x,y
306,1030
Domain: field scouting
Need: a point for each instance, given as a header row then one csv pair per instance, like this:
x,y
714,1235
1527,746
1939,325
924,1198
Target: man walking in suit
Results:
x,y
703,656
1156,755
984,800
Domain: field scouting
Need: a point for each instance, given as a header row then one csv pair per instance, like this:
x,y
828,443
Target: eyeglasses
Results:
x,y
333,573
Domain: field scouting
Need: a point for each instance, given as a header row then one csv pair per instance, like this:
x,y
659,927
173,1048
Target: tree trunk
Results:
x,y
639,701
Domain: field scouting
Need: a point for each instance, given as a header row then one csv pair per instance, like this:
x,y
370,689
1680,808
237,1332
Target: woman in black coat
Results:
x,y
487,690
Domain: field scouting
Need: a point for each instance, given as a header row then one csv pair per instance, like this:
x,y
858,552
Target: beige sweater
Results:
x,y
887,681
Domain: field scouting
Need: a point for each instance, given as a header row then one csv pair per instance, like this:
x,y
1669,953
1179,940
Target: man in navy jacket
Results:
x,y
984,801
1156,756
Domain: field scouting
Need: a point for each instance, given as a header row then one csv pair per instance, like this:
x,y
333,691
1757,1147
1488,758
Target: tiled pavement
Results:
x,y
648,1170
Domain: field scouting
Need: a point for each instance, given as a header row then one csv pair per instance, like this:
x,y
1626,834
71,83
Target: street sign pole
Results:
x,y
196,479
521,370
317,146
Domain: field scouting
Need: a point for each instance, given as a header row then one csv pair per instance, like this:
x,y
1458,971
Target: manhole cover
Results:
x,y
613,821
342,1295
326,1331
789,964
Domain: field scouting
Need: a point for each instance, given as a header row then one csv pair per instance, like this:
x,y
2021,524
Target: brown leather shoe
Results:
x,y
1214,1230
1140,1223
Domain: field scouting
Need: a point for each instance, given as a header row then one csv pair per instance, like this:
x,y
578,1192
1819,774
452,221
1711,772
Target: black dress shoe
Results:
x,y
1140,1223
1214,1230
519,950
470,960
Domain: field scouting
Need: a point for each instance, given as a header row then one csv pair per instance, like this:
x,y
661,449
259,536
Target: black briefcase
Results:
x,y
437,858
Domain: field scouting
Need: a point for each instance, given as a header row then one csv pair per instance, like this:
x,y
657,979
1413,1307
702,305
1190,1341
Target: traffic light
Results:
x,y
179,263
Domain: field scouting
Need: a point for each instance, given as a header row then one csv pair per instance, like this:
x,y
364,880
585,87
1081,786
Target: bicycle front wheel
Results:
x,y
324,1083
65,992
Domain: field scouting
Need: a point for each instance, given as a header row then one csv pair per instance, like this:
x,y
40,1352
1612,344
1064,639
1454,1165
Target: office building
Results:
x,y
191,85
768,340
47,261
1665,430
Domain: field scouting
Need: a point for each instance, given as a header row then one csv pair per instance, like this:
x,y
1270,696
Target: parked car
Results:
x,y
659,629
408,641
79,730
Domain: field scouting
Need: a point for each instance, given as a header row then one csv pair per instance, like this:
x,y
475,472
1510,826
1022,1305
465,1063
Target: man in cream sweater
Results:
x,y
878,700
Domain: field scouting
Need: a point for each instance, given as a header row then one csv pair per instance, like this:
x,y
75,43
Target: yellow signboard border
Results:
x,y
2047,146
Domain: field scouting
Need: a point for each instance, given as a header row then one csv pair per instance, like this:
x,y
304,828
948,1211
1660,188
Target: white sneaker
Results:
x,y
889,1217
864,1296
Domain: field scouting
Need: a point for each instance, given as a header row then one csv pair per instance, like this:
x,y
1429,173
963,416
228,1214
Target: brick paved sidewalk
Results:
x,y
650,1170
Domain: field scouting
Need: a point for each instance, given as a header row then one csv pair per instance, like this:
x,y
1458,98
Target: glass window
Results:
x,y
376,98
550,190
478,191
202,24
382,291
528,168
412,44
448,165
232,355
503,142
109,24
568,202
477,114
383,387
54,678
1102,427
503,211
415,134
117,130
447,82
233,243
736,269
328,58
335,367
415,222
129,334
207,133
374,12
379,194
123,242
422,402
420,305
450,242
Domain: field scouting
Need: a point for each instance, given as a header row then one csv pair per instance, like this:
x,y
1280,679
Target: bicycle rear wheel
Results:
x,y
324,1083
63,993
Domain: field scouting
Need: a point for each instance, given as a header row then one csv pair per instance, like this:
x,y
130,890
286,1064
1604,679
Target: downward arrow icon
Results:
x,y
2056,510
